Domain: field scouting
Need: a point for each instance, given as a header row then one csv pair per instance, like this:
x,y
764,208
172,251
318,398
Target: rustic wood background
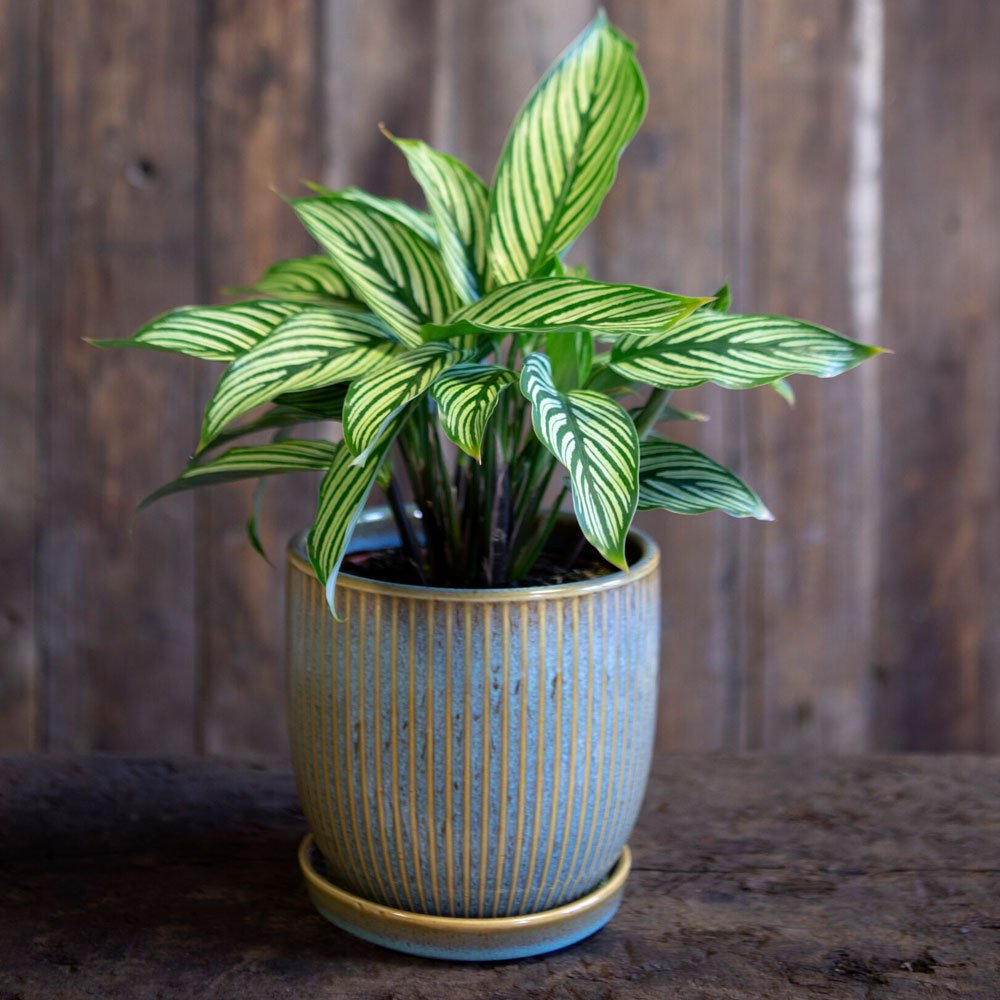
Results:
x,y
836,159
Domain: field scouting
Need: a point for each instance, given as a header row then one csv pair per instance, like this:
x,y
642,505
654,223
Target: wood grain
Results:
x,y
807,587
939,642
754,877
665,224
379,64
262,134
116,612
140,144
20,277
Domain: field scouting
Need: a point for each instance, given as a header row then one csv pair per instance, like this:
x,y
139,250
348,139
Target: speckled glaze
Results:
x,y
472,754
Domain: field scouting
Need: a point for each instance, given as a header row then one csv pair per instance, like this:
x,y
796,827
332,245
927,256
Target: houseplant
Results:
x,y
472,698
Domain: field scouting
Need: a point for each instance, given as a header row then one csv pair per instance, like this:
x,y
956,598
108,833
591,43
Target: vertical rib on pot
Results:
x,y
473,753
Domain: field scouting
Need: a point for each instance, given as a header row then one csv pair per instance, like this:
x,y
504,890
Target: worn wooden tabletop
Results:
x,y
755,877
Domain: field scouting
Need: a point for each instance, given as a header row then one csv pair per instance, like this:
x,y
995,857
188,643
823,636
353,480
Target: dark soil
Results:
x,y
393,566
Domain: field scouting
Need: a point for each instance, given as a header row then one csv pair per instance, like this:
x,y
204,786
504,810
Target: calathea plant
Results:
x,y
470,367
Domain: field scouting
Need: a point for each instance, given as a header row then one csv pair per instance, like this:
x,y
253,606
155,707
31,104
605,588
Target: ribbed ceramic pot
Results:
x,y
472,753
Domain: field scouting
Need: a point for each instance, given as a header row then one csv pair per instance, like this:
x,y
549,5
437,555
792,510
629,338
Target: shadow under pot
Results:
x,y
470,762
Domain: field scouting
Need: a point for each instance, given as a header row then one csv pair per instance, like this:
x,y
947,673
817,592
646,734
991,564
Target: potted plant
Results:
x,y
472,673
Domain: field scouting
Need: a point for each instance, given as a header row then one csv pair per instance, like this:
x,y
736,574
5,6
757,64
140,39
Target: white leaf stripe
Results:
x,y
458,201
734,351
674,477
249,461
593,437
310,277
375,398
407,214
562,153
466,396
394,270
547,304
342,496
212,333
311,349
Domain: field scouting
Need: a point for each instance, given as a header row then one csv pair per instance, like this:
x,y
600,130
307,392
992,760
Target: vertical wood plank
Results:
x,y
664,224
263,130
940,624
809,588
20,170
117,612
379,67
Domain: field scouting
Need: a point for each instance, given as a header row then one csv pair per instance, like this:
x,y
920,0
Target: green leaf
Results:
x,y
784,390
309,280
397,273
249,462
213,333
675,477
722,300
571,354
671,413
561,156
326,403
543,305
257,505
466,396
458,201
374,399
291,408
411,217
737,352
342,497
313,348
595,440
253,522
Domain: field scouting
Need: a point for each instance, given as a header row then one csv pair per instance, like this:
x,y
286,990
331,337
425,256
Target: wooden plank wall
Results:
x,y
836,160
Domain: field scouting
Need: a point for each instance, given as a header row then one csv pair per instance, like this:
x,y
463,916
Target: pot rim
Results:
x,y
647,563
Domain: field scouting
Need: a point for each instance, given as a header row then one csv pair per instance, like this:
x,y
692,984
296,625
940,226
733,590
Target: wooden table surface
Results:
x,y
865,877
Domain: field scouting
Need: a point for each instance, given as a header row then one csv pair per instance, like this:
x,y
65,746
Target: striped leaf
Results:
x,y
675,477
213,333
393,207
562,153
342,497
291,408
398,273
316,347
249,462
737,352
309,280
595,440
326,403
545,305
458,201
466,396
374,399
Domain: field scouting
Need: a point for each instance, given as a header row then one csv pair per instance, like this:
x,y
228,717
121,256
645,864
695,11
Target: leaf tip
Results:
x,y
331,592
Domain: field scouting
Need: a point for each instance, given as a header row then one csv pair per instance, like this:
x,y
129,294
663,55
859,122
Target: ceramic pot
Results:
x,y
471,762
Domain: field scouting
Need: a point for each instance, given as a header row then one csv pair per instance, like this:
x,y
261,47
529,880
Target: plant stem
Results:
x,y
403,523
646,420
528,556
500,530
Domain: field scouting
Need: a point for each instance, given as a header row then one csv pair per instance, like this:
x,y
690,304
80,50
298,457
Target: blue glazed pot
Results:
x,y
471,754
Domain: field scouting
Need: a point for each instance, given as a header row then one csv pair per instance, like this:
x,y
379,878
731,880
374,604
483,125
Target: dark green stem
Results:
x,y
647,417
405,526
